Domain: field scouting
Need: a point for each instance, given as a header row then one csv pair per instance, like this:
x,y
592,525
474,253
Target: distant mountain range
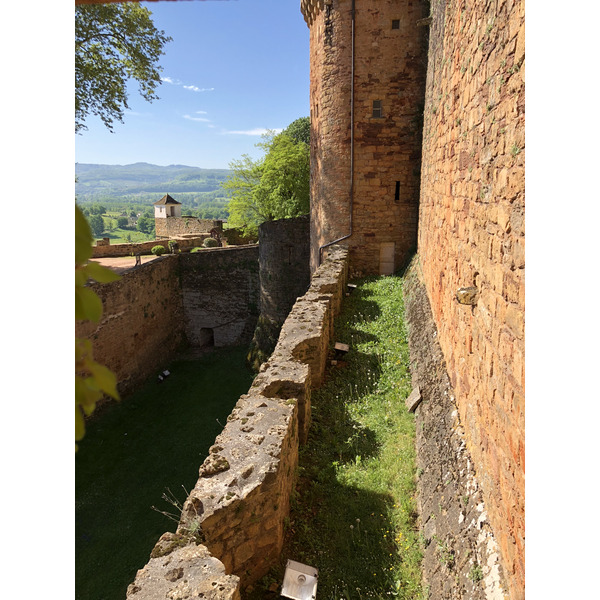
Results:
x,y
141,180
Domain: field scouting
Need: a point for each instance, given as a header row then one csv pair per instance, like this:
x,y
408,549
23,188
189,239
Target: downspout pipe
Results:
x,y
321,248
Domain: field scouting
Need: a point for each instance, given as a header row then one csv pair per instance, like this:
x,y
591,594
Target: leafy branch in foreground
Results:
x,y
92,380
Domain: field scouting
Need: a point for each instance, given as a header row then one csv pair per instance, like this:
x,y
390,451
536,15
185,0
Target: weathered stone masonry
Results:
x,y
471,199
142,322
242,495
366,97
102,250
284,250
208,297
471,233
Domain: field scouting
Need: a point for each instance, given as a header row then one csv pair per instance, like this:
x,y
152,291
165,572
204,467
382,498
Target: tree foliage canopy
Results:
x,y
299,130
276,186
114,43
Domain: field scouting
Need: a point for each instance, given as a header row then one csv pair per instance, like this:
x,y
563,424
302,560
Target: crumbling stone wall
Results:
x,y
366,128
241,499
177,226
471,233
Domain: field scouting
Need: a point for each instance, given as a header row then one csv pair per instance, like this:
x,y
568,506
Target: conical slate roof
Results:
x,y
166,199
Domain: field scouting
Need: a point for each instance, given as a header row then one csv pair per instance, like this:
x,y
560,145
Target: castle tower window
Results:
x,y
377,109
395,23
397,193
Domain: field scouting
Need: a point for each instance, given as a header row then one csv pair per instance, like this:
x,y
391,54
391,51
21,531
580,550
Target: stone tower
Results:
x,y
367,84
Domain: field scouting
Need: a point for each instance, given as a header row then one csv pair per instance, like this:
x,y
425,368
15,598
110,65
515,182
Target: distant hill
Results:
x,y
144,182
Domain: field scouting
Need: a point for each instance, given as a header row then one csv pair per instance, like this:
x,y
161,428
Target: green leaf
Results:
x,y
79,424
105,379
100,274
88,305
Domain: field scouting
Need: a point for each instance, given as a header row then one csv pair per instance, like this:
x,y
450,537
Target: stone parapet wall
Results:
x,y
471,233
105,251
241,499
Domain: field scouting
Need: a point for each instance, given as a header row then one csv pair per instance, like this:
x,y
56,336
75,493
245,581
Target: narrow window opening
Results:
x,y
377,109
395,23
397,193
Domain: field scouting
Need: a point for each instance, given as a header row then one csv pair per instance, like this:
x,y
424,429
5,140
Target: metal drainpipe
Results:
x,y
321,248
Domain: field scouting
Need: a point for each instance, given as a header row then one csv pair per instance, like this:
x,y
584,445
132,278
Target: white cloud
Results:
x,y
200,119
201,112
171,80
194,88
256,131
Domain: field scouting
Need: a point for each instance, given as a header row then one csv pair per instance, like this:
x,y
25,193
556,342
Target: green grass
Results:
x,y
354,514
137,450
120,236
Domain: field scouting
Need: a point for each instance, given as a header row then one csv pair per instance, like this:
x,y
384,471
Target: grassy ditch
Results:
x,y
148,445
354,513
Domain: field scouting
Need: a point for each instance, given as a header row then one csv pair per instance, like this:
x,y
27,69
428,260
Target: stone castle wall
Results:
x,y
241,499
202,298
220,295
284,257
471,233
142,322
284,265
177,226
471,203
365,164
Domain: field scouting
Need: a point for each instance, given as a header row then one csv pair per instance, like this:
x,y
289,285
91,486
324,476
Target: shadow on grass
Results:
x,y
342,529
343,520
134,452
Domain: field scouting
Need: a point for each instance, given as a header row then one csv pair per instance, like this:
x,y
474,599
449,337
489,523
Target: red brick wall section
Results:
x,y
389,68
471,233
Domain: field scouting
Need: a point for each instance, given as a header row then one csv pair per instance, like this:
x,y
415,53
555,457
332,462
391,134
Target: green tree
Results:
x,y
299,130
276,186
145,225
114,43
122,222
97,209
97,225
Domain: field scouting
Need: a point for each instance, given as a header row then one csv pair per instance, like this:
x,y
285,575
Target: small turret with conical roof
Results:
x,y
167,207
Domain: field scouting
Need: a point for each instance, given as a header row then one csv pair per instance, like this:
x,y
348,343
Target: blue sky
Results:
x,y
234,69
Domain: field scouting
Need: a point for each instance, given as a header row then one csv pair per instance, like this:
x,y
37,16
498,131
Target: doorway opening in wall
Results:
x,y
386,258
207,337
